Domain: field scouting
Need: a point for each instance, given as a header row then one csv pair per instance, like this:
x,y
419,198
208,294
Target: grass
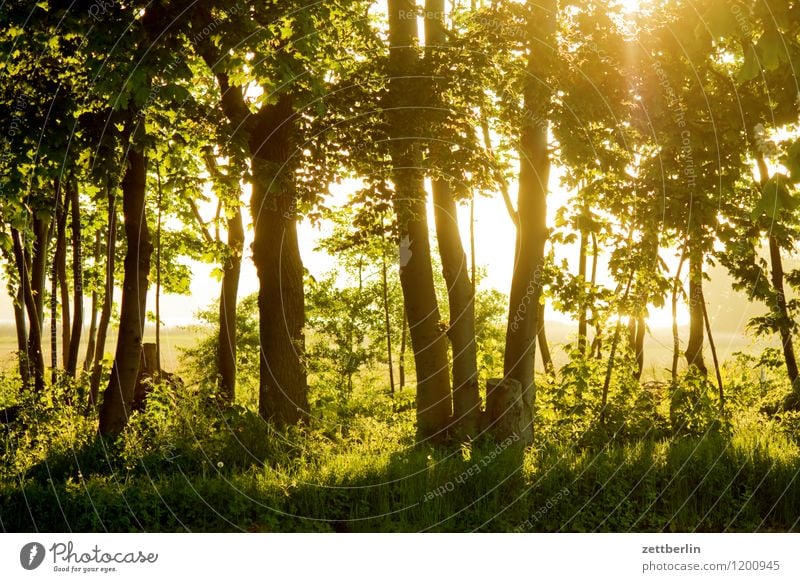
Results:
x,y
184,464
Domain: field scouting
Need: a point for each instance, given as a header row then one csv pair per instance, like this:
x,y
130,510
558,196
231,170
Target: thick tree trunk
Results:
x,y
428,342
71,356
534,154
226,363
119,393
92,338
461,329
694,348
283,390
34,347
108,302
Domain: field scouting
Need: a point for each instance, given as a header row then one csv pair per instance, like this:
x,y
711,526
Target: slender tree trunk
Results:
x,y
403,344
638,344
713,347
283,393
694,348
541,338
34,347
77,283
387,323
90,345
60,283
582,311
108,302
429,344
226,363
676,340
119,393
22,336
461,330
158,270
612,354
776,278
41,229
460,289
526,284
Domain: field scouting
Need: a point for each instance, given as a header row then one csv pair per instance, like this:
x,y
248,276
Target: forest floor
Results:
x,y
234,473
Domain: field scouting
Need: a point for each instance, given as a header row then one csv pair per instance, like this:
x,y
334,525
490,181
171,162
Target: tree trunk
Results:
x,y
22,336
460,289
785,322
612,354
226,354
108,302
41,229
283,389
90,344
582,309
416,274
403,343
534,154
713,347
158,271
34,347
58,282
676,340
387,322
638,344
119,393
461,329
77,284
541,338
694,348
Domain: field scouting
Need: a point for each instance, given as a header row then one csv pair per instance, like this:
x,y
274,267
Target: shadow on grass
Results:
x,y
692,484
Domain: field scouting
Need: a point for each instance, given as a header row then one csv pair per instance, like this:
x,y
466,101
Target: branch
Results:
x,y
200,223
501,180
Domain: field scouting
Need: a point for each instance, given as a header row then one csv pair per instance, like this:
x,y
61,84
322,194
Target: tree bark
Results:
x,y
22,336
34,347
694,348
434,405
90,344
58,282
119,393
41,230
526,283
676,340
582,309
283,391
387,322
403,343
77,284
108,302
541,339
461,329
231,270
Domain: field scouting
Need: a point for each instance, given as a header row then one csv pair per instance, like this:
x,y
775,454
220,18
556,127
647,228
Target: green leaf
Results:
x,y
771,50
751,67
